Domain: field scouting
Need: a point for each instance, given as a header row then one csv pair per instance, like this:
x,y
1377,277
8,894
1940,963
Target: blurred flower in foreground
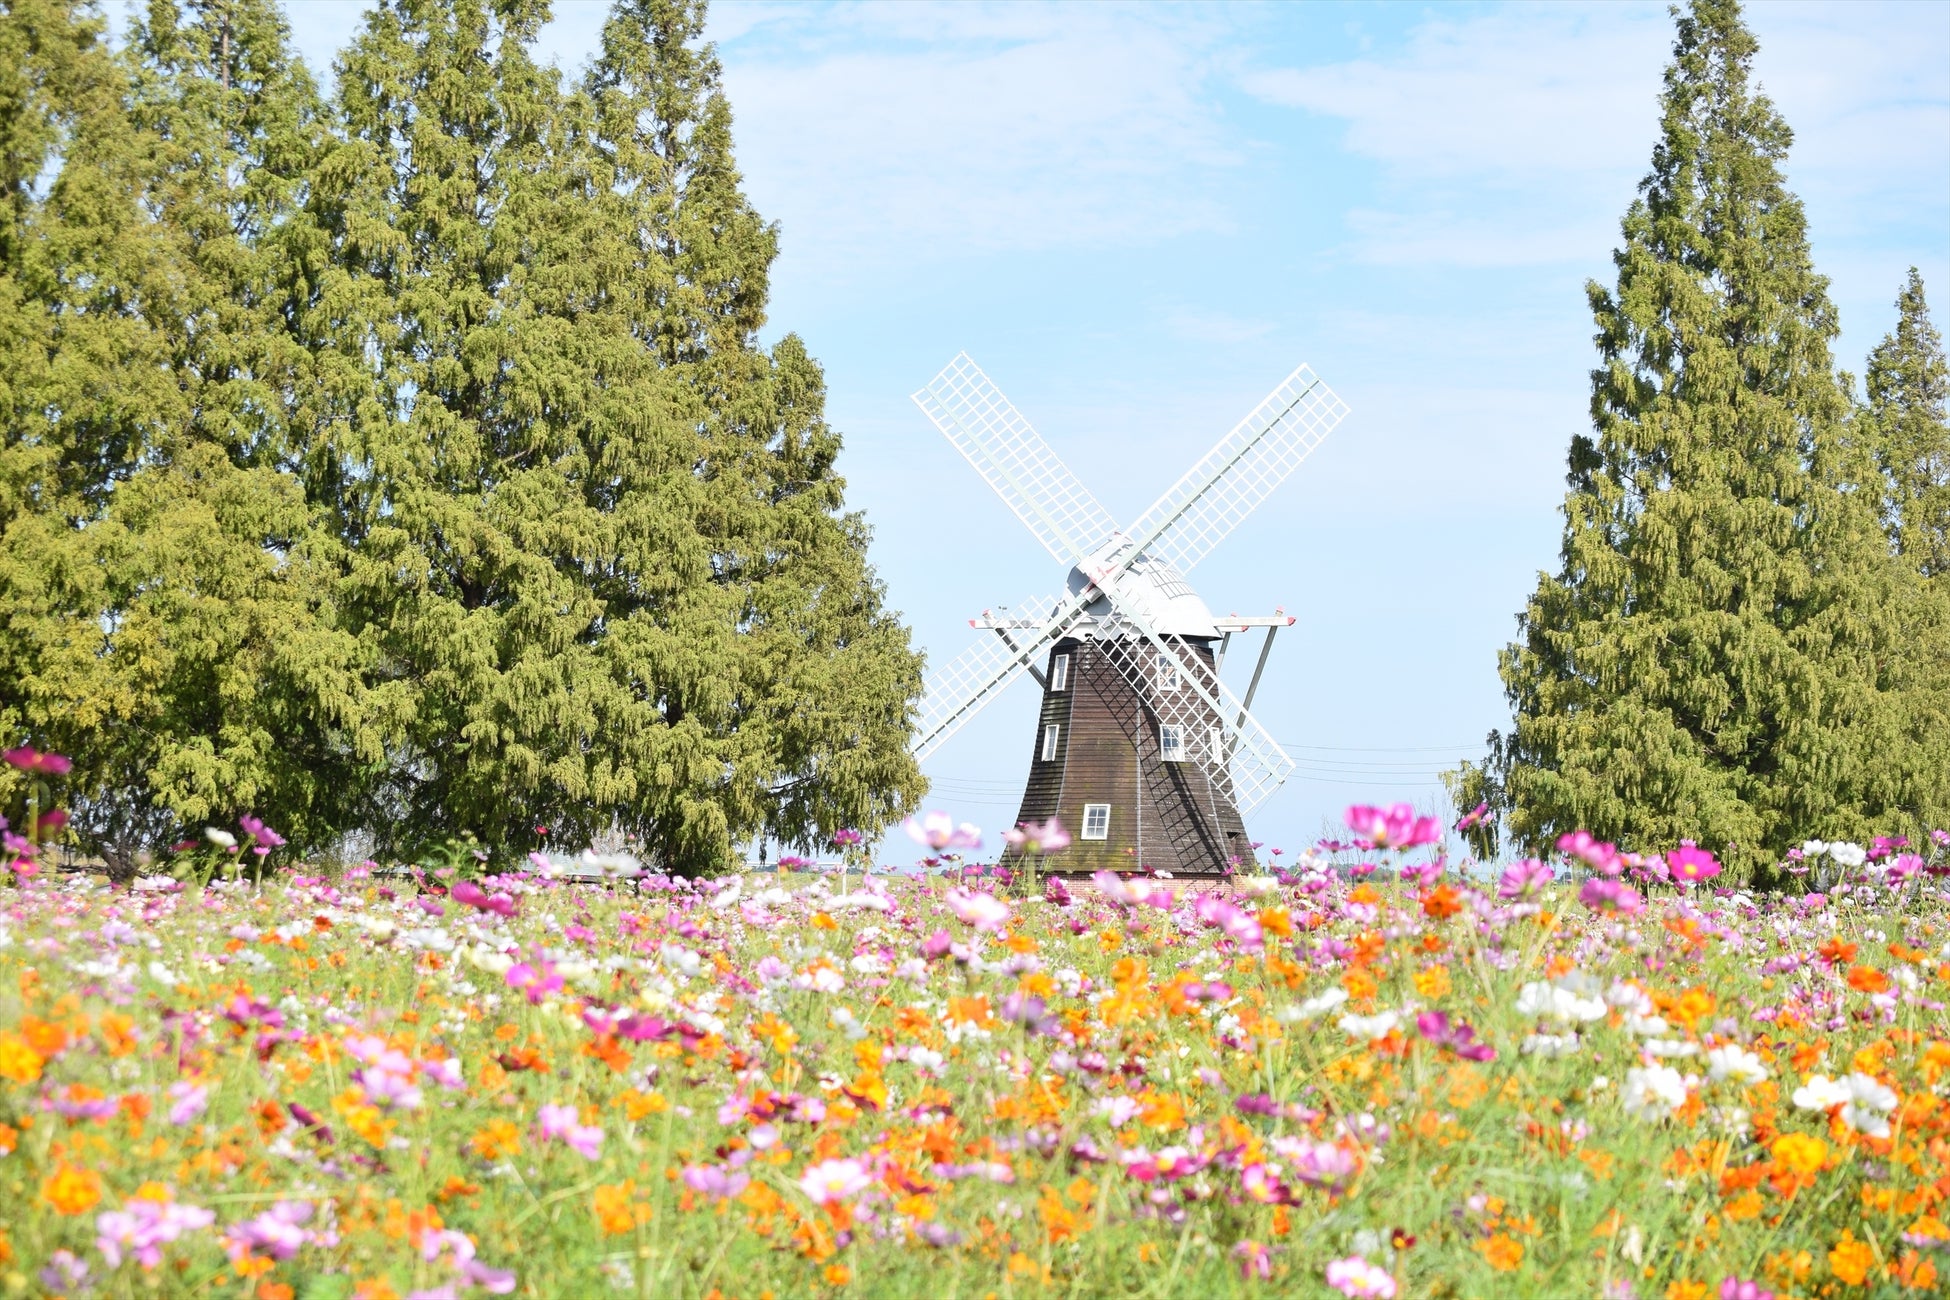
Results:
x,y
938,831
1357,1279
1038,837
1394,828
28,759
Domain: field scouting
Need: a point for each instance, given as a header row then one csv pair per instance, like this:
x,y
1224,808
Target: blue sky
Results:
x,y
1138,220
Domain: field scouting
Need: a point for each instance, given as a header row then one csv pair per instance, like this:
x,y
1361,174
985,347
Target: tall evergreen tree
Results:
x,y
157,620
1727,652
1909,412
596,554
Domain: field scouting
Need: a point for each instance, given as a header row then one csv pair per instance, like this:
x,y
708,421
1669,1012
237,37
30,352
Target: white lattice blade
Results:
x,y
1239,755
1229,482
969,682
1013,459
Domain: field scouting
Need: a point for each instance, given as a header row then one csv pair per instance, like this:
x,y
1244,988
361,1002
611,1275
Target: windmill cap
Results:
x,y
1156,588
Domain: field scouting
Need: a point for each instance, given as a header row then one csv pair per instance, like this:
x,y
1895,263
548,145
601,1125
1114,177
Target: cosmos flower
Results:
x,y
1038,837
1357,1279
1691,864
29,759
835,1180
1653,1092
1736,1063
563,1123
938,831
1522,879
982,911
1604,895
1396,827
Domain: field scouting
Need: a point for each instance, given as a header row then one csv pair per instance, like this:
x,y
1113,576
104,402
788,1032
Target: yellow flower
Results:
x,y
1685,1290
1433,982
613,1209
1799,1153
1502,1252
70,1190
1850,1259
18,1061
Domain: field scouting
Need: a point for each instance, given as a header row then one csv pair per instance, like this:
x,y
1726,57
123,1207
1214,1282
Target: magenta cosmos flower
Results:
x,y
1691,864
1396,827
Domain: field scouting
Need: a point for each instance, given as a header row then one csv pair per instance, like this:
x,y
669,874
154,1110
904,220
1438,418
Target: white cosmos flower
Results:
x,y
1541,999
1314,1006
1369,1028
1820,1092
1869,1102
1814,848
1654,1092
1849,855
221,838
1550,1045
1736,1063
1670,1047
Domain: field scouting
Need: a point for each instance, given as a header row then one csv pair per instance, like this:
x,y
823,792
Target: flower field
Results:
x,y
1367,1075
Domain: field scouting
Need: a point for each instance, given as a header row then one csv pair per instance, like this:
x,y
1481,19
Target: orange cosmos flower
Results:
x,y
1850,1260
1867,979
1441,902
1799,1153
72,1190
1501,1252
18,1059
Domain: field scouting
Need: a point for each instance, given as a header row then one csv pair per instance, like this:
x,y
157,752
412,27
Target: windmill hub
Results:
x,y
1140,748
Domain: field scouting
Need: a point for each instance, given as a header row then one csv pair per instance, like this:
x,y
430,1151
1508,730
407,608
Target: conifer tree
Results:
x,y
156,618
595,548
1726,653
1909,411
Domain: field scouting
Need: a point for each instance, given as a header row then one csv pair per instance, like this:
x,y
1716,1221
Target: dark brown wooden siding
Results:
x,y
1165,816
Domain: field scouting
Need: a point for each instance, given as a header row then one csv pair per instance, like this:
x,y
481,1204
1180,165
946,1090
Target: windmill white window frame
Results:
x,y
1168,674
1096,822
1171,743
1052,737
1059,673
1215,740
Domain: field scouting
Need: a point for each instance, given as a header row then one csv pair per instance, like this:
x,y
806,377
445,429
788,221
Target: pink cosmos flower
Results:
x,y
1254,1259
938,831
264,835
586,1140
1039,837
1691,864
1595,853
187,1100
471,894
982,911
1522,879
143,1227
1357,1279
29,759
1458,1037
1394,828
537,979
458,1248
1602,895
835,1180
278,1233
1474,817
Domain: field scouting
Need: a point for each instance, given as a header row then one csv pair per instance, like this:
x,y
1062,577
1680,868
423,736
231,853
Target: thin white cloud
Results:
x,y
1538,121
967,129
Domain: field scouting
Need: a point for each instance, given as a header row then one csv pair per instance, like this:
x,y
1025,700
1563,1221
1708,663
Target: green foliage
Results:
x,y
1909,387
1728,652
410,464
160,614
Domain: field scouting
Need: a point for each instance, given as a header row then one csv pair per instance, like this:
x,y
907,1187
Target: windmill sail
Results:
x,y
1229,482
1013,459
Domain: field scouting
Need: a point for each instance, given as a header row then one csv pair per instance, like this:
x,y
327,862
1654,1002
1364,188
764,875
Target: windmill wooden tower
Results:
x,y
1140,748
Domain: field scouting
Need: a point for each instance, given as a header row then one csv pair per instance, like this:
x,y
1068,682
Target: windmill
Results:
x,y
1145,754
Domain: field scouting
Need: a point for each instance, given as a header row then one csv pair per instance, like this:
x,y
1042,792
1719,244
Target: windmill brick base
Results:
x,y
1157,813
